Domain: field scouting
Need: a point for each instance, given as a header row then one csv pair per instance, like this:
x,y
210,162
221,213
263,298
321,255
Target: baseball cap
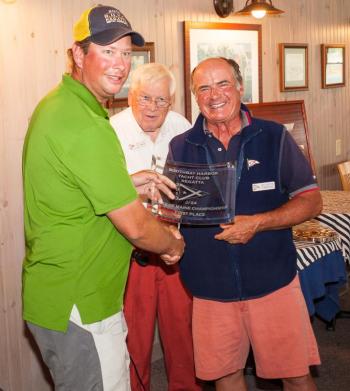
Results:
x,y
104,25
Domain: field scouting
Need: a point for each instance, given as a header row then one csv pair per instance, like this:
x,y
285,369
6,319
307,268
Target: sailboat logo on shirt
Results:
x,y
251,163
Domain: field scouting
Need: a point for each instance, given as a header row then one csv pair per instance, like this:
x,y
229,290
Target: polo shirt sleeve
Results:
x,y
296,175
97,163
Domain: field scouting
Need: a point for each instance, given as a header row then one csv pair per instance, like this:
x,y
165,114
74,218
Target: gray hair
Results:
x,y
151,73
235,68
235,71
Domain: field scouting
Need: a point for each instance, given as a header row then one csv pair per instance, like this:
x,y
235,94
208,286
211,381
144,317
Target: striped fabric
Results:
x,y
308,252
340,222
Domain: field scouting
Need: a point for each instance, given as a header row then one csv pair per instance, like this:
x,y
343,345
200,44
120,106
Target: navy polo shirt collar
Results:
x,y
199,137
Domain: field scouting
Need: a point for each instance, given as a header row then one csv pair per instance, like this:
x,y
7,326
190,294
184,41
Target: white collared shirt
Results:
x,y
138,146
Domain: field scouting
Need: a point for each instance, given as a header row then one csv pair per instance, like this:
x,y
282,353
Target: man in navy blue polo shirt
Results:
x,y
243,274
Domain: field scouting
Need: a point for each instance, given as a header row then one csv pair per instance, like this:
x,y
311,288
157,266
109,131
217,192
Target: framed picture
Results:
x,y
240,42
140,55
294,69
333,65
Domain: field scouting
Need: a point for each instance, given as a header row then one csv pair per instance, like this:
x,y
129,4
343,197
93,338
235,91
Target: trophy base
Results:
x,y
165,214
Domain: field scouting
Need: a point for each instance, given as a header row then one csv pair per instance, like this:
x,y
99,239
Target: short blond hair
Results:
x,y
151,73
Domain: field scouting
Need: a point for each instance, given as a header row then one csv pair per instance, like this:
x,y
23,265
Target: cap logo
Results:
x,y
114,15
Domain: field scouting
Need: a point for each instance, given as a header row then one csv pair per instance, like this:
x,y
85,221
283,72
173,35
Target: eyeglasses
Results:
x,y
160,102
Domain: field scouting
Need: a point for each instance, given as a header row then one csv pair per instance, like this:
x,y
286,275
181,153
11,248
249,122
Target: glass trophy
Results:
x,y
205,194
170,215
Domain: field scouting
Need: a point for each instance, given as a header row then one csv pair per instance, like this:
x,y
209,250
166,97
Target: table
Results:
x,y
322,272
321,267
336,214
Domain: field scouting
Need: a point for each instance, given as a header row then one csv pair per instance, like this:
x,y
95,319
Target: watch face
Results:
x,y
223,7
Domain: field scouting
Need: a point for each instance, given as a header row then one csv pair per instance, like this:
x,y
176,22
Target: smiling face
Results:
x,y
149,116
217,92
104,69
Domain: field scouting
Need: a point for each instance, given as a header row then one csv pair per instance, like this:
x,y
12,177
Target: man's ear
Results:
x,y
129,97
78,55
241,90
172,101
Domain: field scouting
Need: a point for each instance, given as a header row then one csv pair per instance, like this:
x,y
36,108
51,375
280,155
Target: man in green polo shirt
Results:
x,y
82,214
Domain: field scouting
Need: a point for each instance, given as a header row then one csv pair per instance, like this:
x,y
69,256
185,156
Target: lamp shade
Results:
x,y
260,6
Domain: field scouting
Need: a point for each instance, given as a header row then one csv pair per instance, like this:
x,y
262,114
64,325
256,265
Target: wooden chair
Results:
x,y
344,172
293,115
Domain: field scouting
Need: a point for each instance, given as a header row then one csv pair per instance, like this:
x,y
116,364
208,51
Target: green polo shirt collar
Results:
x,y
84,94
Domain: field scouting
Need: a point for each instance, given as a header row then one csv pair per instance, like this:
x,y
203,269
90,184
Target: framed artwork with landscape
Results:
x,y
294,72
140,55
333,65
240,42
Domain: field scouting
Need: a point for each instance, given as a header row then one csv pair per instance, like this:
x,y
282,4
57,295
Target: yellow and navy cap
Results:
x,y
104,25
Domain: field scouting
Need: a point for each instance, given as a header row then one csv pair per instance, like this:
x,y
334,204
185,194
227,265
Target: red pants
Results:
x,y
155,292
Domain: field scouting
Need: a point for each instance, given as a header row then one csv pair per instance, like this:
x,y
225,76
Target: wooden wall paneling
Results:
x,y
12,256
270,64
168,11
4,341
334,126
328,102
14,368
9,312
346,155
59,32
159,31
345,92
313,72
337,97
318,98
175,64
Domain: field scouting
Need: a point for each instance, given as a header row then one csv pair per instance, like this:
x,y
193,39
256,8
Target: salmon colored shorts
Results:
x,y
277,326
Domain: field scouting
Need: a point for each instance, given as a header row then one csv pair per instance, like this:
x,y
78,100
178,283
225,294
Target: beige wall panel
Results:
x,y
34,36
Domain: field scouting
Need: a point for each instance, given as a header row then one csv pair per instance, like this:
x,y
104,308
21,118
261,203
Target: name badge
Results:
x,y
137,145
263,186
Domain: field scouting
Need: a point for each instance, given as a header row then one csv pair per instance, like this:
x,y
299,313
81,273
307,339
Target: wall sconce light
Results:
x,y
259,8
223,7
